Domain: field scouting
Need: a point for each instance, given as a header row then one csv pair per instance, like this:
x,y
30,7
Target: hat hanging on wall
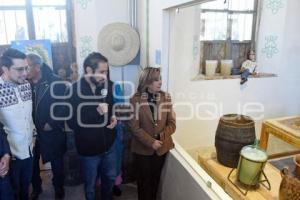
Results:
x,y
119,42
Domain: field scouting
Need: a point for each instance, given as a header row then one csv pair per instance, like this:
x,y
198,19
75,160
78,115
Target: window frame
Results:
x,y
28,8
229,22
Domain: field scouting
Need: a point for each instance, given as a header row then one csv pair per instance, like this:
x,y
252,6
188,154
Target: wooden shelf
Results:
x,y
202,77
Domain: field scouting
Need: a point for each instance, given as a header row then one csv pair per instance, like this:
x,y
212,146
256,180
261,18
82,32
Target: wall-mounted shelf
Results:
x,y
217,76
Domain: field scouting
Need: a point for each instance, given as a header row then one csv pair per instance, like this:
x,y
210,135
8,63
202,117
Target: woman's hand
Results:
x,y
157,144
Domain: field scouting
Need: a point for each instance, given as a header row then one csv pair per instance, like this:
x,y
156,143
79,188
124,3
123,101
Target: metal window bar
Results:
x,y
16,20
12,8
4,21
61,39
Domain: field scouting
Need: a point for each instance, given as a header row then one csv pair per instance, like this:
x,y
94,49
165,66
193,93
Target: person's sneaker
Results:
x,y
59,193
117,191
243,80
35,194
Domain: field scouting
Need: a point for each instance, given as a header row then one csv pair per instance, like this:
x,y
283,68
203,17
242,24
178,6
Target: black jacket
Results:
x,y
4,146
91,140
46,92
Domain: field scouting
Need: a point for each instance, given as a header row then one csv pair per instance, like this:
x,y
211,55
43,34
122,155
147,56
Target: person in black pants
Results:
x,y
16,117
152,123
93,121
47,89
5,187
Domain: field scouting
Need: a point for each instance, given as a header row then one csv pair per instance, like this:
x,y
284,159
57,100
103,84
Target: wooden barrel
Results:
x,y
233,133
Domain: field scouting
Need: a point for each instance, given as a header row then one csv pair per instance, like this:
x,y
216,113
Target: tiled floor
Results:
x,y
76,193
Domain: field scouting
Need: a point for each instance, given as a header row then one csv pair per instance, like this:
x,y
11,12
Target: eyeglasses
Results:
x,y
21,69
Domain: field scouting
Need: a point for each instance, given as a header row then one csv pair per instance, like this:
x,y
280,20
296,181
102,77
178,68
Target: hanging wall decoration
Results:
x,y
274,5
83,3
85,46
270,47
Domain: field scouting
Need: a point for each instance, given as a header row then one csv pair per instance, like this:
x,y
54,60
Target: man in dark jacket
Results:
x,y
94,124
5,187
48,90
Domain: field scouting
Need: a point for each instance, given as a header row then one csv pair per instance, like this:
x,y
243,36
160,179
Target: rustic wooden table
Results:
x,y
286,129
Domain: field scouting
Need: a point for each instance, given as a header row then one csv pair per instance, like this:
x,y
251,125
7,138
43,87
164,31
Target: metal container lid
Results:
x,y
254,154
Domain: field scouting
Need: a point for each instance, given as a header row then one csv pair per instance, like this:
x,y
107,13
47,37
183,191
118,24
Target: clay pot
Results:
x,y
289,187
297,163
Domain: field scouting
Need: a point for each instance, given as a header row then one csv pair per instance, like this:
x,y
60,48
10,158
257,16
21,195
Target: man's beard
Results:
x,y
100,83
94,81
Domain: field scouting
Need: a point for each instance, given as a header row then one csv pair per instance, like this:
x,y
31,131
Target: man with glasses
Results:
x,y
16,117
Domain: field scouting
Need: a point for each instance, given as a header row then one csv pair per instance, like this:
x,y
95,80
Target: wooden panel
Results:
x,y
239,53
219,50
63,56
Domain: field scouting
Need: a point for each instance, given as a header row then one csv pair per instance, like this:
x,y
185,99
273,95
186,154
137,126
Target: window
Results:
x,y
214,26
54,27
227,20
13,26
33,19
227,31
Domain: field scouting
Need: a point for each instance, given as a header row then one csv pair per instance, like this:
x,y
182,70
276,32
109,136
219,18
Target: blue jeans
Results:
x,y
119,146
5,189
103,165
245,74
20,176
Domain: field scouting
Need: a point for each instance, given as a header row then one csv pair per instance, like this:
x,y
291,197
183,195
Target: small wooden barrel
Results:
x,y
233,133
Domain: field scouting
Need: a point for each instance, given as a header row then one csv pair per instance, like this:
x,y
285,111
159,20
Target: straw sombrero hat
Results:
x,y
119,42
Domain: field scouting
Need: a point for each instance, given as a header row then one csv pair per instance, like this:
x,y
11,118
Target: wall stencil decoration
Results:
x,y
85,46
274,5
83,3
196,49
270,46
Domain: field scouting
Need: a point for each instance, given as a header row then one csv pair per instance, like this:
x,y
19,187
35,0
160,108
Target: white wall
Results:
x,y
278,96
90,17
156,8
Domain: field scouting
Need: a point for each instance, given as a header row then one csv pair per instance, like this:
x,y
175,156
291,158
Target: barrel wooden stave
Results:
x,y
233,133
